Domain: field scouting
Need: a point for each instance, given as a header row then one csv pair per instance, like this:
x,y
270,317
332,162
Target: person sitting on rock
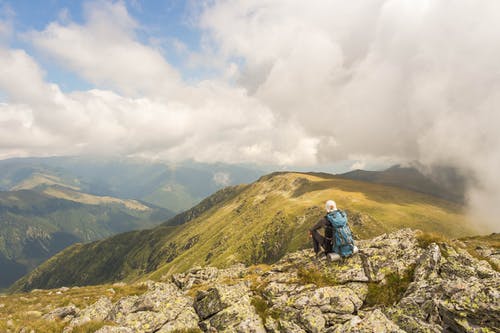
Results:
x,y
319,240
337,241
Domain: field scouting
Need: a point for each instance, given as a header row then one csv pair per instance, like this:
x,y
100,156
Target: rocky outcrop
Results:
x,y
438,288
228,308
451,291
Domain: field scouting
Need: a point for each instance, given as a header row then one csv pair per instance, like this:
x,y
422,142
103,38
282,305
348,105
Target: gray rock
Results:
x,y
144,321
290,327
123,307
240,317
199,276
312,319
450,291
228,309
474,308
114,329
428,264
373,322
95,312
337,299
390,253
185,320
195,276
163,308
218,298
61,313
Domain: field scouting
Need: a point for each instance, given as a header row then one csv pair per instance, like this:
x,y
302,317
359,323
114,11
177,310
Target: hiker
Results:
x,y
337,241
324,241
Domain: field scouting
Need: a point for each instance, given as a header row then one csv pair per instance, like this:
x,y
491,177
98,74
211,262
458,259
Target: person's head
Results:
x,y
330,206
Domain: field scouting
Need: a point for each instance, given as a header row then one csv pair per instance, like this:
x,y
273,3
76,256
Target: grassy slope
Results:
x,y
272,217
34,226
257,223
25,310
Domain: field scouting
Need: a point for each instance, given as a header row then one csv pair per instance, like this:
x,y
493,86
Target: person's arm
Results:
x,y
318,225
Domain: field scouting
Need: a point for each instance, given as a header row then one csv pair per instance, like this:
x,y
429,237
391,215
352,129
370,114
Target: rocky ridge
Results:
x,y
397,283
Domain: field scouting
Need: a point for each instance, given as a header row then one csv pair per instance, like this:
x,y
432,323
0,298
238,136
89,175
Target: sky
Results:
x,y
287,83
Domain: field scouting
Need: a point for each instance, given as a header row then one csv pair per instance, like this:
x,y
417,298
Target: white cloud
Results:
x,y
358,165
222,178
300,82
105,52
415,80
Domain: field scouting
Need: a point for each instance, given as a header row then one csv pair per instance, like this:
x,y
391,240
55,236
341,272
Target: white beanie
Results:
x,y
330,206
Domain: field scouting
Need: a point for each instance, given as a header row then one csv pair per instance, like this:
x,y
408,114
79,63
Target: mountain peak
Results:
x,y
399,282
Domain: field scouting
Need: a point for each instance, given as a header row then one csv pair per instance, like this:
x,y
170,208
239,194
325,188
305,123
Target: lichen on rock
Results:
x,y
433,289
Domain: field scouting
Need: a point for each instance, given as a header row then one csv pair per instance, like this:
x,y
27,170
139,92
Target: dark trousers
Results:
x,y
319,240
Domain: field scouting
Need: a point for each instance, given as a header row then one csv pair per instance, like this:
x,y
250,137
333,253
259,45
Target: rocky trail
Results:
x,y
397,283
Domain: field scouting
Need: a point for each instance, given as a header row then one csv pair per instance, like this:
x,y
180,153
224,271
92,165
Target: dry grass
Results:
x,y
474,244
426,238
314,275
25,310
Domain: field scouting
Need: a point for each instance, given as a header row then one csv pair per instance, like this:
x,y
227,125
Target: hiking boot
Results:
x,y
320,254
333,256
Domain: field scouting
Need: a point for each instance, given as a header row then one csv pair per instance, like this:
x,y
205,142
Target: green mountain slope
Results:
x,y
176,187
256,223
35,225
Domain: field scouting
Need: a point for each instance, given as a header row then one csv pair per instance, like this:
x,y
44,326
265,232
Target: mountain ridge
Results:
x,y
440,182
259,222
176,187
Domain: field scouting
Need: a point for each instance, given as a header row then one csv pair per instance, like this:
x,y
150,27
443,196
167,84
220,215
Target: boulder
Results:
x,y
62,312
337,299
373,322
144,321
218,298
95,312
454,292
312,319
163,308
472,309
228,309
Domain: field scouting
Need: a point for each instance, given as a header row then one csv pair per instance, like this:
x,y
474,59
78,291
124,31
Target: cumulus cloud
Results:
x,y
410,80
222,178
299,83
105,51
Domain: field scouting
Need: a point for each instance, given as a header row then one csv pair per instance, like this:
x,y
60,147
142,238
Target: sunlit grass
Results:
x,y
261,223
25,310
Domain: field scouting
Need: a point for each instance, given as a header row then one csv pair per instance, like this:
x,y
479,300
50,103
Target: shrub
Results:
x,y
315,276
391,291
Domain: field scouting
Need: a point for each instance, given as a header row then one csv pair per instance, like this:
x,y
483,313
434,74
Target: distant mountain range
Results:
x,y
47,204
35,225
255,223
176,187
444,183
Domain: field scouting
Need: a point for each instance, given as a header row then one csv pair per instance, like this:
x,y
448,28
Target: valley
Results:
x,y
252,224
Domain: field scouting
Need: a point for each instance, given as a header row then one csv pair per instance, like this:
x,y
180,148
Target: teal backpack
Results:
x,y
342,235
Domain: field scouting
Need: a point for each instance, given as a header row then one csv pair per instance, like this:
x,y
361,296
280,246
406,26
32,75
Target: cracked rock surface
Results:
x,y
447,290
